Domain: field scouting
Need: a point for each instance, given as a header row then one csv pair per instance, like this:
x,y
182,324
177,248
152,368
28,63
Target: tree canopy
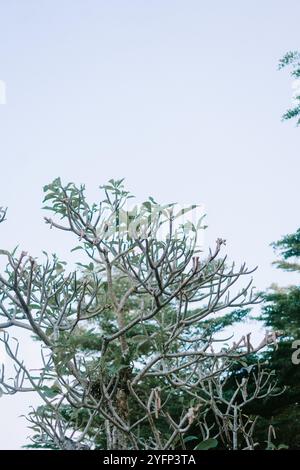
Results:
x,y
130,359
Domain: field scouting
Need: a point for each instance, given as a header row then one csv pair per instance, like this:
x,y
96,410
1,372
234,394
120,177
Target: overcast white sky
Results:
x,y
182,98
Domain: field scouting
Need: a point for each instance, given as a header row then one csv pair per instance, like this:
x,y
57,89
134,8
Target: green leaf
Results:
x,y
140,339
49,196
77,248
207,444
190,438
152,200
50,392
56,182
271,446
282,446
243,363
35,306
148,205
185,210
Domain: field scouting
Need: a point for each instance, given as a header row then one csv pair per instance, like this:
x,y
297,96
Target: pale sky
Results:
x,y
182,98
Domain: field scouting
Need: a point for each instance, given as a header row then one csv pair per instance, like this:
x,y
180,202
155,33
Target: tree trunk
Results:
x,y
117,439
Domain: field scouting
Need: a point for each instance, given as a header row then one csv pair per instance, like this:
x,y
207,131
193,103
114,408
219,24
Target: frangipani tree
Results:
x,y
127,343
